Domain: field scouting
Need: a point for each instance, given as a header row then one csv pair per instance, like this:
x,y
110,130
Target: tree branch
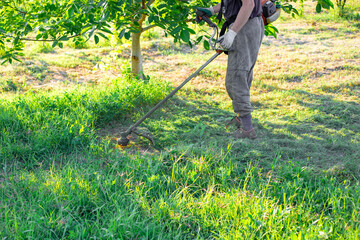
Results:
x,y
7,5
45,40
143,16
150,3
142,19
148,27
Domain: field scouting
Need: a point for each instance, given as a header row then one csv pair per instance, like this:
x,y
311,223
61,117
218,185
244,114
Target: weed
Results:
x,y
151,34
9,86
41,48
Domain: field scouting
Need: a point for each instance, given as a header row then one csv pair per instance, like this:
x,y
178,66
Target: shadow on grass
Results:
x,y
329,138
195,182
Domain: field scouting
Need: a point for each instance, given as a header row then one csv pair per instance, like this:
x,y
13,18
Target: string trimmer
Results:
x,y
200,16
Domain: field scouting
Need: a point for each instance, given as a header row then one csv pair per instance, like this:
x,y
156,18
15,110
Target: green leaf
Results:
x,y
190,30
185,35
6,56
86,29
175,31
64,38
155,10
55,43
150,18
92,31
16,59
61,45
16,41
144,11
162,6
327,4
70,12
270,30
106,30
295,11
28,28
96,39
103,35
206,45
127,35
318,8
122,33
52,7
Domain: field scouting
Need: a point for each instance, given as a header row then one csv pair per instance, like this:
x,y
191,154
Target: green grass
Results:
x,y
36,125
62,177
178,196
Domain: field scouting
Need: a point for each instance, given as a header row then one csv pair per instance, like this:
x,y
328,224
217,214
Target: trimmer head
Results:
x,y
124,140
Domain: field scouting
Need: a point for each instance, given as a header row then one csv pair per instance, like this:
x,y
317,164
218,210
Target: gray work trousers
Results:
x,y
241,61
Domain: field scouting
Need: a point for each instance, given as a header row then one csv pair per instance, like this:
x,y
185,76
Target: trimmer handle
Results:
x,y
200,15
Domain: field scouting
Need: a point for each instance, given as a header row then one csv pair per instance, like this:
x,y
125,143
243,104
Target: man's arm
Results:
x,y
217,8
243,15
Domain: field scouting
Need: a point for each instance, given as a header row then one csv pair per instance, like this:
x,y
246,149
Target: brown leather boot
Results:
x,y
241,133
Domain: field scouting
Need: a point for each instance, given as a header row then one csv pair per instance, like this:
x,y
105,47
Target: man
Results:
x,y
243,40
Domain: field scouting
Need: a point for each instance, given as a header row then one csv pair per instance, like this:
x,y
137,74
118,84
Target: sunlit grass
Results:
x,y
177,196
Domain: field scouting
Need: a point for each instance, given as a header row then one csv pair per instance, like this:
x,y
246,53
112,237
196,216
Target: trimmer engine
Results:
x,y
271,11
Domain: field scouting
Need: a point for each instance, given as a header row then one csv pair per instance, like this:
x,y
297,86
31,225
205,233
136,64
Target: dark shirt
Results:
x,y
257,9
232,7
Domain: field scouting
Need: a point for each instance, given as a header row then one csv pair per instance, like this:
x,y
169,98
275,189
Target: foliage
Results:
x,y
327,4
58,21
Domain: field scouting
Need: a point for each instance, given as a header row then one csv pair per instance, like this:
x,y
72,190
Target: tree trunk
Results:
x,y
136,59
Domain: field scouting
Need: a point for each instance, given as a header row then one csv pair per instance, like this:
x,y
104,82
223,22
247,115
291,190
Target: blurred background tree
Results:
x,y
58,21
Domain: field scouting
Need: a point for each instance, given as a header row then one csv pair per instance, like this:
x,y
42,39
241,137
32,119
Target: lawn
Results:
x,y
63,176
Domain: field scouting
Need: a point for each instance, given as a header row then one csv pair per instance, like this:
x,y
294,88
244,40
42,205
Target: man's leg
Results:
x,y
238,84
241,61
238,88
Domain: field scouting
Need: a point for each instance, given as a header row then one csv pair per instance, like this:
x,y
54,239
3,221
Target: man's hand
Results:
x,y
208,11
227,40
